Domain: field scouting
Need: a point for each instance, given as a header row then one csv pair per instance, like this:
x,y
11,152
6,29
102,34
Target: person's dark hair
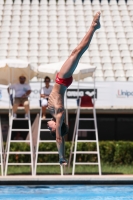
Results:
x,y
47,77
64,130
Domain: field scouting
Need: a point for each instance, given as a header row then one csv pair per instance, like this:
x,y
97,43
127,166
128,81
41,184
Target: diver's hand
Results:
x,y
58,138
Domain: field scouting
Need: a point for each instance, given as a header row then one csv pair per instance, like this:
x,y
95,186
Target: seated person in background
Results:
x,y
18,136
22,91
45,92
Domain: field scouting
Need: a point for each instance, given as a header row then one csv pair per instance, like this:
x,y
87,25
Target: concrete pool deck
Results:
x,y
66,179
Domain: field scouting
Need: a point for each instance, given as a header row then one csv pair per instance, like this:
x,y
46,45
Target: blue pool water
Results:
x,y
78,192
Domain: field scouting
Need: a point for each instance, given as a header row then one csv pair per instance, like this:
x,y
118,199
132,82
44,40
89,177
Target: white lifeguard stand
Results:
x,y
86,103
45,70
1,151
13,69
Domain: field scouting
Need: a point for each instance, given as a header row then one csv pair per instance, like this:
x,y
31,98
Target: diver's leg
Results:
x,y
71,63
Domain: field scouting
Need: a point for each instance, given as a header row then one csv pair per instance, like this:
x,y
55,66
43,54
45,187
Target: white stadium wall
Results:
x,y
108,95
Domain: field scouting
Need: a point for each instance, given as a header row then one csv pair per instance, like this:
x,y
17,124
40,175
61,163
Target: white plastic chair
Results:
x,y
6,23
111,35
54,59
117,66
8,2
125,53
118,29
110,79
130,41
119,73
23,46
122,41
34,40
25,58
109,73
94,47
4,41
17,2
63,53
53,53
94,53
35,2
13,41
43,52
25,12
33,47
3,52
63,47
34,12
112,41
13,46
120,35
33,59
43,46
5,29
113,47
106,59
14,35
129,2
33,35
95,59
103,47
129,73
107,66
43,60
60,2
24,35
116,59
130,79
24,28
23,53
4,34
115,53
98,73
128,66
12,53
121,79
26,2
23,41
16,13
123,46
34,18
127,59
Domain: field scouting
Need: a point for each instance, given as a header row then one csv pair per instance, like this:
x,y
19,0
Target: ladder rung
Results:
x,y
45,119
86,141
86,152
47,152
86,119
48,163
87,163
19,163
22,130
20,141
19,152
16,119
44,129
86,130
47,141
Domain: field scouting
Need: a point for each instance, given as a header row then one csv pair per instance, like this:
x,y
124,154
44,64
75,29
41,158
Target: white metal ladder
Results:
x,y
77,140
37,152
9,141
1,150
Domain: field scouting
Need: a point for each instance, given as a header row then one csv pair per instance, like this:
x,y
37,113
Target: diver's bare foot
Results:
x,y
96,23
